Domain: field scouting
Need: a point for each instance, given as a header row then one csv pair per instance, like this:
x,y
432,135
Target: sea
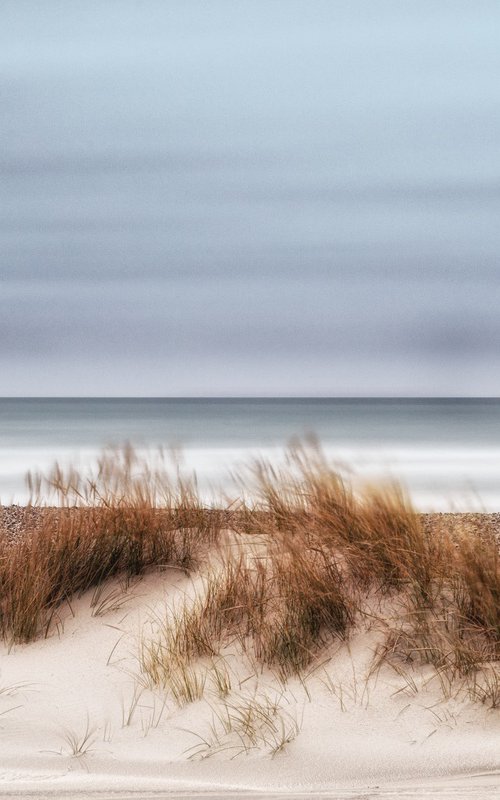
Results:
x,y
446,451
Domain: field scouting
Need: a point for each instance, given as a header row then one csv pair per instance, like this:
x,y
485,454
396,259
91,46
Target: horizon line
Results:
x,y
251,397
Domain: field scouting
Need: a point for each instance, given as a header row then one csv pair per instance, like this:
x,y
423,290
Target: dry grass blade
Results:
x,y
79,744
247,723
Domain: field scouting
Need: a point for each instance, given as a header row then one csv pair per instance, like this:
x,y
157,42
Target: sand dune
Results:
x,y
347,733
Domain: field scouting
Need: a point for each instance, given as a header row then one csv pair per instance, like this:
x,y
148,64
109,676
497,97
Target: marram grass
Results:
x,y
283,576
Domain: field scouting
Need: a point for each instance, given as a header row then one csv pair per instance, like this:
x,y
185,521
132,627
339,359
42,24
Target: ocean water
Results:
x,y
445,451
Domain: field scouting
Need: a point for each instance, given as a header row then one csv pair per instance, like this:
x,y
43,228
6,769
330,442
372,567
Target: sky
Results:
x,y
249,197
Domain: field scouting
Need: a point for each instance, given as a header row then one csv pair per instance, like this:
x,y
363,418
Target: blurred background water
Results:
x,y
446,451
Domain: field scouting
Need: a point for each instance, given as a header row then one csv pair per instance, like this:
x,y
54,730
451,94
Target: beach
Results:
x,y
249,400
79,719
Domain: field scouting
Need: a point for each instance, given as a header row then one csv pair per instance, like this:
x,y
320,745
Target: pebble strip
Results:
x,y
14,520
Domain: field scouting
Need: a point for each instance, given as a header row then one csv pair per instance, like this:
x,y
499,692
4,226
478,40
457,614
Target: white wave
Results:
x,y
437,478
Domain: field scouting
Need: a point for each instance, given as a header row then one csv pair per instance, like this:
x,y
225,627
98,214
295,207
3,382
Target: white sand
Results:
x,y
362,738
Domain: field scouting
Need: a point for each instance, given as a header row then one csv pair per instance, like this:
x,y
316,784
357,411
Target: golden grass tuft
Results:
x,y
118,521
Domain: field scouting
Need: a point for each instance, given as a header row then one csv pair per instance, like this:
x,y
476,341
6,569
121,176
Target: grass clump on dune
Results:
x,y
311,550
118,521
301,557
456,628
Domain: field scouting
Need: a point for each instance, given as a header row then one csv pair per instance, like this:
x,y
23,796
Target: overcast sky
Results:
x,y
250,197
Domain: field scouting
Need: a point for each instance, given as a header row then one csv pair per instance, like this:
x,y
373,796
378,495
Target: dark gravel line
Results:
x,y
14,520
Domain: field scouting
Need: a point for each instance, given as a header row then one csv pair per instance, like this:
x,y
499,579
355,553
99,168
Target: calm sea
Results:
x,y
446,451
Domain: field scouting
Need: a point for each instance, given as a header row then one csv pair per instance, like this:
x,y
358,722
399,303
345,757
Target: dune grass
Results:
x,y
284,575
249,722
306,556
120,520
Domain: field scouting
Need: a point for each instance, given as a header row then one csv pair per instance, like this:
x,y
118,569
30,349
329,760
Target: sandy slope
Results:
x,y
354,735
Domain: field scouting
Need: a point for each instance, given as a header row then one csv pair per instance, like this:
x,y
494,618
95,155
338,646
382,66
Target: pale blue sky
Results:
x,y
254,197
